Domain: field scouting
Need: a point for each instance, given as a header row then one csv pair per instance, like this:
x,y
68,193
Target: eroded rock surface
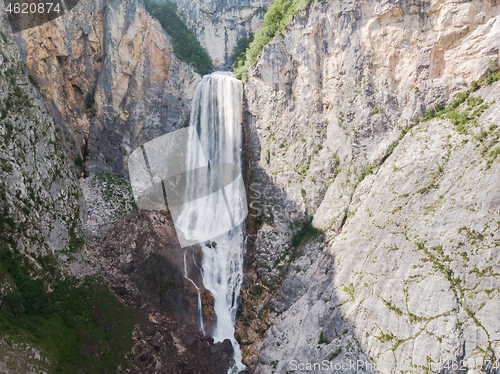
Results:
x,y
408,272
41,203
219,24
108,72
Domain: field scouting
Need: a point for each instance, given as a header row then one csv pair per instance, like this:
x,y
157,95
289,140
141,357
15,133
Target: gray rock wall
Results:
x,y
408,271
219,24
40,197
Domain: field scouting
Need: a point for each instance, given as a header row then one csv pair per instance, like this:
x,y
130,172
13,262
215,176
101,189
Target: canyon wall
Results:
x,y
42,207
219,24
406,273
108,72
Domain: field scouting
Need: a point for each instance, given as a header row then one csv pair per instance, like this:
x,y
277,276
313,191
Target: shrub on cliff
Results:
x,y
240,49
186,46
276,20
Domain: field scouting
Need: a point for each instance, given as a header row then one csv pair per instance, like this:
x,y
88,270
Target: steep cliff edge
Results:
x,y
407,270
108,72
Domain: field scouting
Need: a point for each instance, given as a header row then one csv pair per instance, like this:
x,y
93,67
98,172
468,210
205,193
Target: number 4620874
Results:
x,y
32,8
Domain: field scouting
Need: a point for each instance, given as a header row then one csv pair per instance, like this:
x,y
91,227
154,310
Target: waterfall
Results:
x,y
216,117
200,315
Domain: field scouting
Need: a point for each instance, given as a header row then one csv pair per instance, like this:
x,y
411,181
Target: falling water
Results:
x,y
200,315
216,122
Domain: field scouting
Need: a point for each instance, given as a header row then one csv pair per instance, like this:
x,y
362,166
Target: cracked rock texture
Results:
x,y
407,273
108,72
40,200
219,24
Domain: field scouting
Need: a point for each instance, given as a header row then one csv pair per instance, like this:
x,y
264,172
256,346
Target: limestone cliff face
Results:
x,y
108,72
39,194
219,24
409,270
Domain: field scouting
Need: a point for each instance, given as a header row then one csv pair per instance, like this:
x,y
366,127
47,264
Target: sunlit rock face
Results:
x,y
219,24
109,74
408,271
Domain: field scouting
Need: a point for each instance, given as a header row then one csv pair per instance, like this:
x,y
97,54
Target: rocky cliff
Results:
x,y
406,274
42,207
219,24
103,301
108,72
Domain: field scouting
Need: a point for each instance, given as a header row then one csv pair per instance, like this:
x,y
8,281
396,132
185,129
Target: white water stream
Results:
x,y
216,118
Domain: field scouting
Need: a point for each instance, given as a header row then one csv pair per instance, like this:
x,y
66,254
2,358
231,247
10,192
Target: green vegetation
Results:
x,y
366,171
316,149
394,308
306,232
349,290
75,244
186,46
385,337
276,20
79,325
334,354
474,106
322,339
439,263
117,192
239,51
78,161
303,168
429,187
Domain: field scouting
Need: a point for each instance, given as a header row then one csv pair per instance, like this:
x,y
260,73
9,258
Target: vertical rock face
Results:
x,y
39,195
408,272
108,72
219,24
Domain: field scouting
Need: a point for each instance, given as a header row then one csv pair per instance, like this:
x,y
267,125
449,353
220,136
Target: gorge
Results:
x,y
368,147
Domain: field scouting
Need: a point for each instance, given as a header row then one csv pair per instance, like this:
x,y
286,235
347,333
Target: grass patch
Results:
x,y
322,339
349,290
475,106
334,354
394,308
385,337
365,172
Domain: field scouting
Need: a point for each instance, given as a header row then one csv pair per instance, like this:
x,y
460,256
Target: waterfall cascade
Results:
x,y
216,117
